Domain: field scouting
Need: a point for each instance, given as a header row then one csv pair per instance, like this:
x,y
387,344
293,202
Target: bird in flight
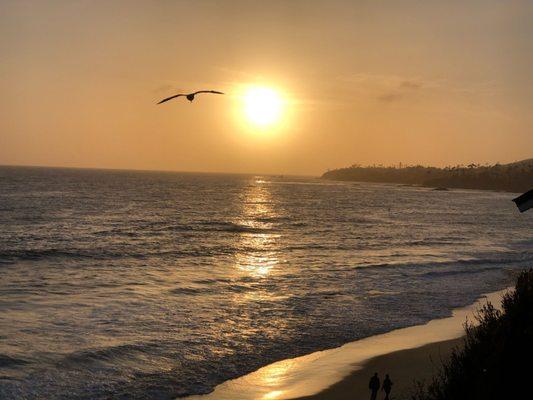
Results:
x,y
189,96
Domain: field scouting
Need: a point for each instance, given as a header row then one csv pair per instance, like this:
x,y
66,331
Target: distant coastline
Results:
x,y
514,177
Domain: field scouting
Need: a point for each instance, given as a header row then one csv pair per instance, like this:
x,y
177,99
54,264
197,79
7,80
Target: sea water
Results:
x,y
152,285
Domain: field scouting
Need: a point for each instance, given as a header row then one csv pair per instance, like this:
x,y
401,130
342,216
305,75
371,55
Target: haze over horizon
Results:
x,y
418,83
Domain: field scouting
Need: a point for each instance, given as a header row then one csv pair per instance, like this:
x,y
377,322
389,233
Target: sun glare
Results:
x,y
262,106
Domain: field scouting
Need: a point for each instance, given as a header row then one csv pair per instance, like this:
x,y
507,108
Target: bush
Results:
x,y
495,362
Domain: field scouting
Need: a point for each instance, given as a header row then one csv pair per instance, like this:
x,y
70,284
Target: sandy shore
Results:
x,y
403,367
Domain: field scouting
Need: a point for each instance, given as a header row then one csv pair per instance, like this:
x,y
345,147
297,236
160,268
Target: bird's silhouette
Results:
x,y
189,96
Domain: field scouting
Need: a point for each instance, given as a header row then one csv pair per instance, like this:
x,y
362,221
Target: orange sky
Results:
x,y
400,81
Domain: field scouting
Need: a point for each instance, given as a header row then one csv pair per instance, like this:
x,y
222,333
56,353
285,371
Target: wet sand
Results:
x,y
403,366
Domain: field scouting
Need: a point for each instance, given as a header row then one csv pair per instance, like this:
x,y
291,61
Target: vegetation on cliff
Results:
x,y
495,362
514,177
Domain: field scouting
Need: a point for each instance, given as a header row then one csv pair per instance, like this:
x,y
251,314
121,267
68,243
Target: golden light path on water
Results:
x,y
260,251
310,374
257,262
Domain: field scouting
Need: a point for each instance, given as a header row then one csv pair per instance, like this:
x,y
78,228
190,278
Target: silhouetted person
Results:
x,y
374,385
387,386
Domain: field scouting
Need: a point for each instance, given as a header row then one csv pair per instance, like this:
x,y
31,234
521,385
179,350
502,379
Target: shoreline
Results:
x,y
405,367
343,372
424,186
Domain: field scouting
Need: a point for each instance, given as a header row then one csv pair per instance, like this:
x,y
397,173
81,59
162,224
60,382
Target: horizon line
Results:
x,y
154,170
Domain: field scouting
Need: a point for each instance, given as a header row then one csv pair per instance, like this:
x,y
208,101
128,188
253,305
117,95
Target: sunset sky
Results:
x,y
428,82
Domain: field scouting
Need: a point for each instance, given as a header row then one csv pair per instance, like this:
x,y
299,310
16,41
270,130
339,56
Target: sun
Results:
x,y
263,106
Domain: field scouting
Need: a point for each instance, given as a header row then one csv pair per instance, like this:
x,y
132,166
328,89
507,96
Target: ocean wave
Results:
x,y
273,219
8,361
200,226
106,353
435,242
224,226
36,254
190,291
515,259
11,256
472,271
211,281
523,244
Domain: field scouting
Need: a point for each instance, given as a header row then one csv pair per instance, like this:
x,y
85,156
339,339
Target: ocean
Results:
x,y
154,285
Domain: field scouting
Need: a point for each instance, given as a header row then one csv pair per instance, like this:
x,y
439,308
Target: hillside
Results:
x,y
513,177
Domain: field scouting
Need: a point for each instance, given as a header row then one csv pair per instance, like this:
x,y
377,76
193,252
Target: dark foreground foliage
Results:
x,y
514,177
496,362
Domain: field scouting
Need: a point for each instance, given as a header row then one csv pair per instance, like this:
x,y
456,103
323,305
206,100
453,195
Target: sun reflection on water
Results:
x,y
259,261
258,254
273,395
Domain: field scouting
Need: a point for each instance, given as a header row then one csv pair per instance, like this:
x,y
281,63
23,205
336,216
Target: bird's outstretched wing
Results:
x,y
171,97
208,91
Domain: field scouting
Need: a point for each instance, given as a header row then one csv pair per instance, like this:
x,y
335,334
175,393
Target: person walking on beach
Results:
x,y
374,385
387,386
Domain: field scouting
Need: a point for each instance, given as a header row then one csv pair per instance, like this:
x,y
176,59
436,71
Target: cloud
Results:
x,y
389,88
390,97
410,85
164,88
403,89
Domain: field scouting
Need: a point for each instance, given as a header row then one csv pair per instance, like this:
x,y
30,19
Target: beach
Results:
x,y
407,355
404,367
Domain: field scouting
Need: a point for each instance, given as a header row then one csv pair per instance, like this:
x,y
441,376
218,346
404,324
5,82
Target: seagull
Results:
x,y
189,96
